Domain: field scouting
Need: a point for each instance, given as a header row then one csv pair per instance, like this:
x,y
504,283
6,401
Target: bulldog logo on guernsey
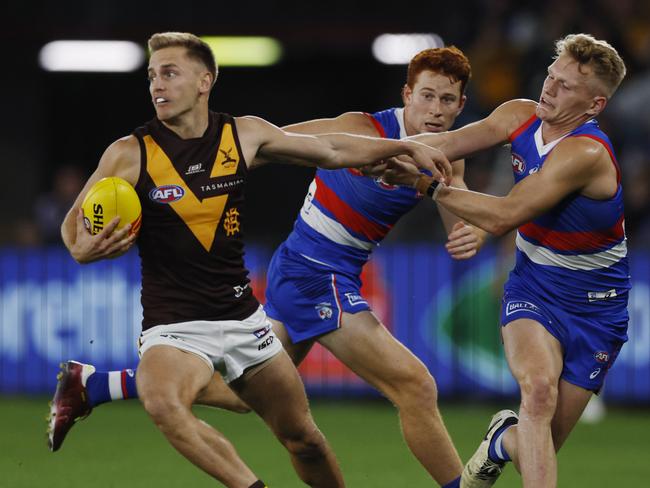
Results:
x,y
166,193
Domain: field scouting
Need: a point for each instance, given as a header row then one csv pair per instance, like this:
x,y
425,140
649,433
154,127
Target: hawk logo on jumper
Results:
x,y
259,333
355,299
324,310
594,374
166,193
239,290
229,162
195,168
601,356
129,372
521,306
518,164
533,170
231,222
383,185
267,342
601,295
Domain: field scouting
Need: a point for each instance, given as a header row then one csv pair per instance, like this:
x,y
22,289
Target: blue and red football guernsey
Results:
x,y
347,214
575,255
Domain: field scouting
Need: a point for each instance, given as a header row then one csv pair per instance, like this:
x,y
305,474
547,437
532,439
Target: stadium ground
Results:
x,y
119,447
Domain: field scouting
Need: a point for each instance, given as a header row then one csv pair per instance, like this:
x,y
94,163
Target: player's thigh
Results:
x,y
218,394
365,346
297,352
171,373
572,400
531,350
276,394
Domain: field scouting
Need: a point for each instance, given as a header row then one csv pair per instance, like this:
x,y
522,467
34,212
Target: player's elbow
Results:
x,y
502,224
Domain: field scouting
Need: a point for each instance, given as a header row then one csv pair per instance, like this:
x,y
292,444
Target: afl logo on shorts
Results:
x,y
166,194
601,357
518,164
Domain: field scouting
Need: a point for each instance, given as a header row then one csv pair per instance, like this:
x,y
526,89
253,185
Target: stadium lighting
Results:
x,y
91,56
400,48
244,51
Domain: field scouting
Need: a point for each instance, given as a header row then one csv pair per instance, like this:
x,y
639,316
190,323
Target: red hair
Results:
x,y
449,61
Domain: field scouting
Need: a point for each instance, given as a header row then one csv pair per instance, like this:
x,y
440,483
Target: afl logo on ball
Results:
x,y
166,194
518,164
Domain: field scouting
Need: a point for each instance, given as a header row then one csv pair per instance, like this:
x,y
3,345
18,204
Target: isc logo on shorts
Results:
x,y
265,343
166,194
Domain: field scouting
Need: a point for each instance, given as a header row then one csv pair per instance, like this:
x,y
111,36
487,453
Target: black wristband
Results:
x,y
431,189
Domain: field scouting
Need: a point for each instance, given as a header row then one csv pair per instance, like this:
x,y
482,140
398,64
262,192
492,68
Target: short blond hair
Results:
x,y
599,55
195,47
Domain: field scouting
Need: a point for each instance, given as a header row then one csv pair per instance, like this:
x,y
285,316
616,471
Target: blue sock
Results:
x,y
453,484
497,451
106,386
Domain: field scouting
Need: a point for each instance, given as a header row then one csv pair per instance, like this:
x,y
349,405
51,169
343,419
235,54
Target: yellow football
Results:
x,y
108,198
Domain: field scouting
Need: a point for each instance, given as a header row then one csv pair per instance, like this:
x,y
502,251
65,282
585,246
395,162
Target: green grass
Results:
x,y
119,447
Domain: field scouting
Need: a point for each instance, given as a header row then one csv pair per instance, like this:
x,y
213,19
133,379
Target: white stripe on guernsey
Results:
x,y
399,114
576,262
330,228
115,385
338,302
315,260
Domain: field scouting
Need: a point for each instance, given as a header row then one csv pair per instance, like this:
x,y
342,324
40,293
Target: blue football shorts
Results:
x,y
309,298
590,342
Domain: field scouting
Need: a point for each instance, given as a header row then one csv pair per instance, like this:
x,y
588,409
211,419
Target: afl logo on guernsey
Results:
x,y
518,164
166,194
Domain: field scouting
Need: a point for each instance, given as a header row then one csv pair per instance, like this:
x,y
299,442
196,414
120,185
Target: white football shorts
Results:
x,y
227,346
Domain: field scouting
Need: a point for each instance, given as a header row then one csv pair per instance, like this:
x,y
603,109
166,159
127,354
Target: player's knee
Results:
x,y
162,409
417,389
539,395
306,445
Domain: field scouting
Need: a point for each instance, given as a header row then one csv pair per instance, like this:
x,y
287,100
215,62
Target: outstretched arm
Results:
x,y
263,142
576,165
120,159
493,130
350,122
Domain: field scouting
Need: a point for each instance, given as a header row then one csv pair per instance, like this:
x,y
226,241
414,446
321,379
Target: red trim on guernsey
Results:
x,y
380,131
346,215
125,391
378,126
609,150
575,241
525,126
